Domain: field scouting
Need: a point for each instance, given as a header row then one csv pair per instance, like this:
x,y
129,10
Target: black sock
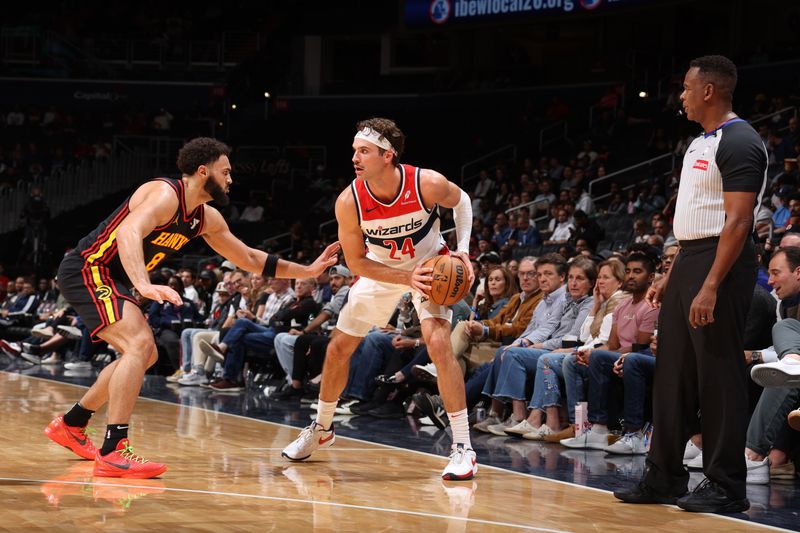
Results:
x,y
114,434
78,416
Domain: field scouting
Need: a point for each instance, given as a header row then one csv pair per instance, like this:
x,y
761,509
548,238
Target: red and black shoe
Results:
x,y
122,462
73,438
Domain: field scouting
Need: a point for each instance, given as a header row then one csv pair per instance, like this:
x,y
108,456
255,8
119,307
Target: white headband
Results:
x,y
370,135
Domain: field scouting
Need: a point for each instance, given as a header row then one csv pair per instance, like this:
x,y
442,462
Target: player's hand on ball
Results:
x,y
326,259
421,278
464,256
159,293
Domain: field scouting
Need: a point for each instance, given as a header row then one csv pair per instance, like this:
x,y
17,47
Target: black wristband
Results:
x,y
270,266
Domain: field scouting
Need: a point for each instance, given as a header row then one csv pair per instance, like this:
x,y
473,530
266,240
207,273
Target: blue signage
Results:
x,y
444,12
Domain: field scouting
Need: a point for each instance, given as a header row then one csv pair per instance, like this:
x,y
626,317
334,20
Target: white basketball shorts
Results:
x,y
371,303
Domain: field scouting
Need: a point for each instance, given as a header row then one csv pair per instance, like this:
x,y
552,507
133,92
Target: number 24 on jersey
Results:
x,y
406,249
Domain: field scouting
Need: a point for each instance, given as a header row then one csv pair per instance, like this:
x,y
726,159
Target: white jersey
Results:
x,y
732,158
403,232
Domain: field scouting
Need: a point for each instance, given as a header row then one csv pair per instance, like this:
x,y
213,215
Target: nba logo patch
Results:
x,y
701,164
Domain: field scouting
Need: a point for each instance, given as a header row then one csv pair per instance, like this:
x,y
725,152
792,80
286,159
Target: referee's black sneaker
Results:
x,y
644,493
708,497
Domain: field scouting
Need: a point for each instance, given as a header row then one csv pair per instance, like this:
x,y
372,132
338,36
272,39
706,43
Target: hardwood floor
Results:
x,y
226,474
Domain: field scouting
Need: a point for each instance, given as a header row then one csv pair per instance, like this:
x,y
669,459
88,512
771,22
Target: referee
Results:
x,y
705,298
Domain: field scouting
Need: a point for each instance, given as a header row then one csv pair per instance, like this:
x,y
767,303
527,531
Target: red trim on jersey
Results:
x,y
106,232
406,202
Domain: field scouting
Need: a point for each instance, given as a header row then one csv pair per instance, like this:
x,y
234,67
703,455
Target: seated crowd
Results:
x,y
552,348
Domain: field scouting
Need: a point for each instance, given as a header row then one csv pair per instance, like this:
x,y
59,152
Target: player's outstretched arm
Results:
x,y
436,189
152,205
219,237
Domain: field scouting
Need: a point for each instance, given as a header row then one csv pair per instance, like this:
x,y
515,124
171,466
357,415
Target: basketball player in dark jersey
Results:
x,y
96,278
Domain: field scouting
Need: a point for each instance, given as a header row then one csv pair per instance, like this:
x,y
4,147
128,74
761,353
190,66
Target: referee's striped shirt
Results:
x,y
732,158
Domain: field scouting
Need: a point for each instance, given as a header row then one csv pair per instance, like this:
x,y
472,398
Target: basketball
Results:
x,y
450,281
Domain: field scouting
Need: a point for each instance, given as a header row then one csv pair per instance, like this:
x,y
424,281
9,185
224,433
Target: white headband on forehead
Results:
x,y
370,135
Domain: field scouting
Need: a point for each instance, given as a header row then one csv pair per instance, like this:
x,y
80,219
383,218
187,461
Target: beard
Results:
x,y
216,192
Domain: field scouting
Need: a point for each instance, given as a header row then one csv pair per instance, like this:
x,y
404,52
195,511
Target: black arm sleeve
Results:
x,y
741,159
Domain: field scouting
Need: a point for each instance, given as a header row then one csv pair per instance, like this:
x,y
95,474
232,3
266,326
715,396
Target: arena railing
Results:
x,y
779,113
553,133
86,183
158,151
538,221
471,170
626,176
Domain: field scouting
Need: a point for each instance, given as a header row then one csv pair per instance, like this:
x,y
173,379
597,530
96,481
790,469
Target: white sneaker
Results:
x,y
463,464
783,373
311,439
343,407
78,365
500,429
52,359
425,421
690,452
629,444
539,433
695,463
178,374
70,332
193,379
521,429
429,369
757,471
588,439
483,425
31,358
43,333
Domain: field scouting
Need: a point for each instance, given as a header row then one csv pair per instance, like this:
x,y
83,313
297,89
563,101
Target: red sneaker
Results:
x,y
122,462
73,438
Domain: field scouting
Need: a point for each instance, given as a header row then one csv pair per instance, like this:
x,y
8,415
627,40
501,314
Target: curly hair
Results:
x,y
200,151
717,70
389,131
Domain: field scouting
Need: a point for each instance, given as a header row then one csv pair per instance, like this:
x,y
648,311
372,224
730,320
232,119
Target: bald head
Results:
x,y
790,239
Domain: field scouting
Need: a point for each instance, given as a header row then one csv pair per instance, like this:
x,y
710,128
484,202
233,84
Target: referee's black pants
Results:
x,y
702,370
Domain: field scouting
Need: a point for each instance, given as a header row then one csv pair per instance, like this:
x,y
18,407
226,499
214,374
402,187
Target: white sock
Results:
x,y
600,430
460,427
325,414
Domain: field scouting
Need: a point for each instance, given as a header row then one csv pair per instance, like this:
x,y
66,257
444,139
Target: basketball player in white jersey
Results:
x,y
394,208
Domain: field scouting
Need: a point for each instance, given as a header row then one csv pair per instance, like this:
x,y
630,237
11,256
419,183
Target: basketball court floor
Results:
x,y
226,473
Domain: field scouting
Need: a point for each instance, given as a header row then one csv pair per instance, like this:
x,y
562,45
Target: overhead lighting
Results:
x,y
233,106
642,94
266,94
